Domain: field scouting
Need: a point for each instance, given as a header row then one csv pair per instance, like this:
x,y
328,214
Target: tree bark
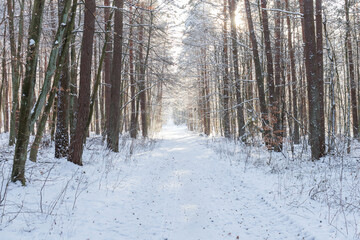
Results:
x,y
296,134
51,66
258,73
239,107
133,120
114,117
353,91
226,84
314,99
142,70
278,130
76,146
73,87
94,94
52,95
18,171
273,98
62,124
107,69
5,85
15,66
320,70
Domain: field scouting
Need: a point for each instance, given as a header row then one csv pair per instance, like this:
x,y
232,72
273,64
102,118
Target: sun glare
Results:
x,y
240,19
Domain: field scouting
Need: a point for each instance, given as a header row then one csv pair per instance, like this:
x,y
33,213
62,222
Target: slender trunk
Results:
x,y
54,55
312,82
273,103
107,70
279,87
73,87
240,106
296,134
97,121
15,67
351,73
332,114
5,85
203,81
20,155
114,117
62,124
258,73
76,146
207,110
98,73
320,71
133,122
52,95
142,69
226,85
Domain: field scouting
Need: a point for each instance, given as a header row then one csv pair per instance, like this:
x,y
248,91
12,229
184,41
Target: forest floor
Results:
x,y
178,187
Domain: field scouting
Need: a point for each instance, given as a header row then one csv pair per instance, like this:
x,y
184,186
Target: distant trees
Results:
x,y
287,88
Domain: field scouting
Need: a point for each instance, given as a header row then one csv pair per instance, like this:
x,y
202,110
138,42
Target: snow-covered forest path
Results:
x,y
183,191
180,190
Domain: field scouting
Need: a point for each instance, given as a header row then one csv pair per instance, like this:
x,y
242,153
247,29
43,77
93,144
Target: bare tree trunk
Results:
x,y
133,121
114,117
93,102
240,106
107,70
52,95
332,114
73,87
51,66
142,77
273,98
20,155
279,87
351,73
296,134
3,96
97,121
62,124
320,71
15,66
226,85
258,73
314,100
76,146
207,110
6,87
204,93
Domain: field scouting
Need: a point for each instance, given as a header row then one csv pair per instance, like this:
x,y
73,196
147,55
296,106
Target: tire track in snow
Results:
x,y
213,207
184,191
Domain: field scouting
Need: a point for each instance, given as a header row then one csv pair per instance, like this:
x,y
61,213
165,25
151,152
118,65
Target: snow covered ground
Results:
x,y
181,186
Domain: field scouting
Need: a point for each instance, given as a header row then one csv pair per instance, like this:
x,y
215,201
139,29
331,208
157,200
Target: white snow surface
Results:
x,y
32,42
177,188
